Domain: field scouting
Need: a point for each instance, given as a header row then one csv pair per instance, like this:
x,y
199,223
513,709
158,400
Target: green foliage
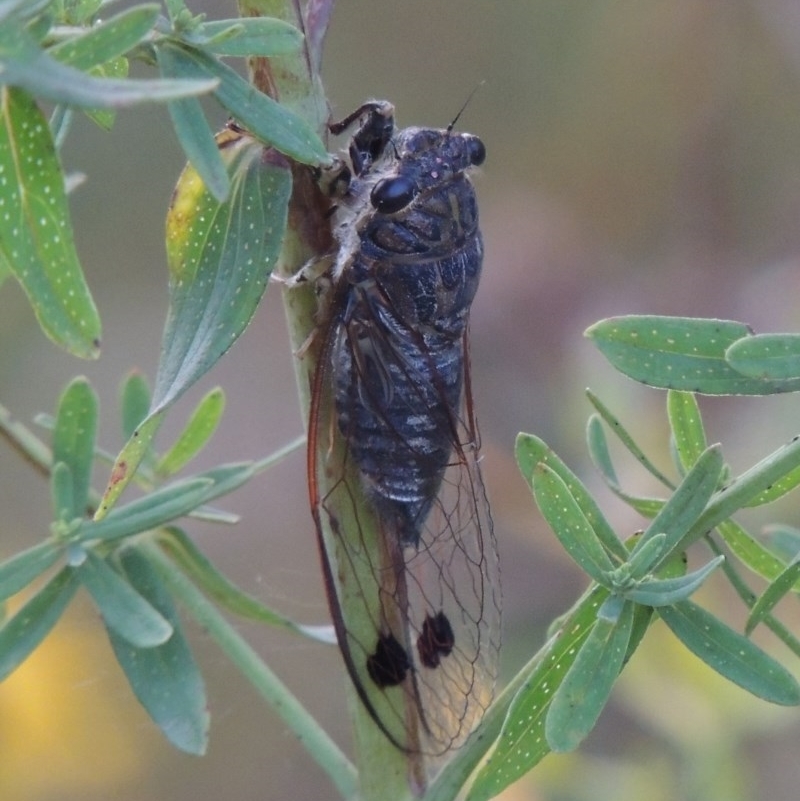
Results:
x,y
162,673
680,353
72,67
555,708
220,262
227,227
102,556
36,241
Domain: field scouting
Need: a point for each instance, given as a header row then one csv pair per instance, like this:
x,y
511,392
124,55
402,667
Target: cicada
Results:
x,y
396,491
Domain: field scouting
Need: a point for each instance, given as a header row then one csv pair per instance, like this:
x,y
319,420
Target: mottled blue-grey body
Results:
x,y
399,361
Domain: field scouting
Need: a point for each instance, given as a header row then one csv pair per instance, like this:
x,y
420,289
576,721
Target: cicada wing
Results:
x,y
453,604
357,568
418,623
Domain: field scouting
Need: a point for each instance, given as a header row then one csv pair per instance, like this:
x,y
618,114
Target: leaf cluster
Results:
x,y
555,701
62,53
227,227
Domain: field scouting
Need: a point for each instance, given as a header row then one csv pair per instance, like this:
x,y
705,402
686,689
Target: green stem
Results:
x,y
321,747
743,489
383,769
25,442
748,598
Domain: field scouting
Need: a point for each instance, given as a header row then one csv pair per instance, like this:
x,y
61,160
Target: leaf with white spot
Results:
x,y
165,678
220,258
767,356
568,522
686,423
35,230
586,688
729,653
106,40
73,442
523,744
28,67
682,353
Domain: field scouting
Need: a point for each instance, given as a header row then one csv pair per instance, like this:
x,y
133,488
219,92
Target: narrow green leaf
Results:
x,y
777,589
108,39
30,68
645,554
20,570
601,459
127,463
165,678
196,138
74,440
522,743
744,488
585,690
569,524
62,492
665,592
775,357
20,635
686,424
680,353
253,36
261,115
220,258
749,551
621,433
191,560
198,431
780,487
731,654
35,230
116,68
783,539
134,402
123,609
167,503
200,146
689,500
597,444
156,509
530,451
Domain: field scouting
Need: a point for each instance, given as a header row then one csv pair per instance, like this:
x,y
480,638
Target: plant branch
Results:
x,y
306,728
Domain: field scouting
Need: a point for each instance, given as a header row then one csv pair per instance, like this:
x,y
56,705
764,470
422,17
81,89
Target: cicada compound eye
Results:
x,y
392,194
476,150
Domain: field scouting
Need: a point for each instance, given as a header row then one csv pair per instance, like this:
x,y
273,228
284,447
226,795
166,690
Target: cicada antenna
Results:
x,y
464,105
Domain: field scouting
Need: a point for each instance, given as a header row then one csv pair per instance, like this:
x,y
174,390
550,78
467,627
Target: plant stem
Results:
x,y
383,769
25,442
748,598
321,747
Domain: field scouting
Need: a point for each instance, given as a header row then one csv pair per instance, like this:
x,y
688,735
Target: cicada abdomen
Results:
x,y
394,469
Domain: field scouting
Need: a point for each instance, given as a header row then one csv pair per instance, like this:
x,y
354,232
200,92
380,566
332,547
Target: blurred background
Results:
x,y
642,158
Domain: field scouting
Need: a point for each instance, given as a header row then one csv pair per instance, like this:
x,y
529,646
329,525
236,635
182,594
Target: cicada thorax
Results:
x,y
402,435
398,390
